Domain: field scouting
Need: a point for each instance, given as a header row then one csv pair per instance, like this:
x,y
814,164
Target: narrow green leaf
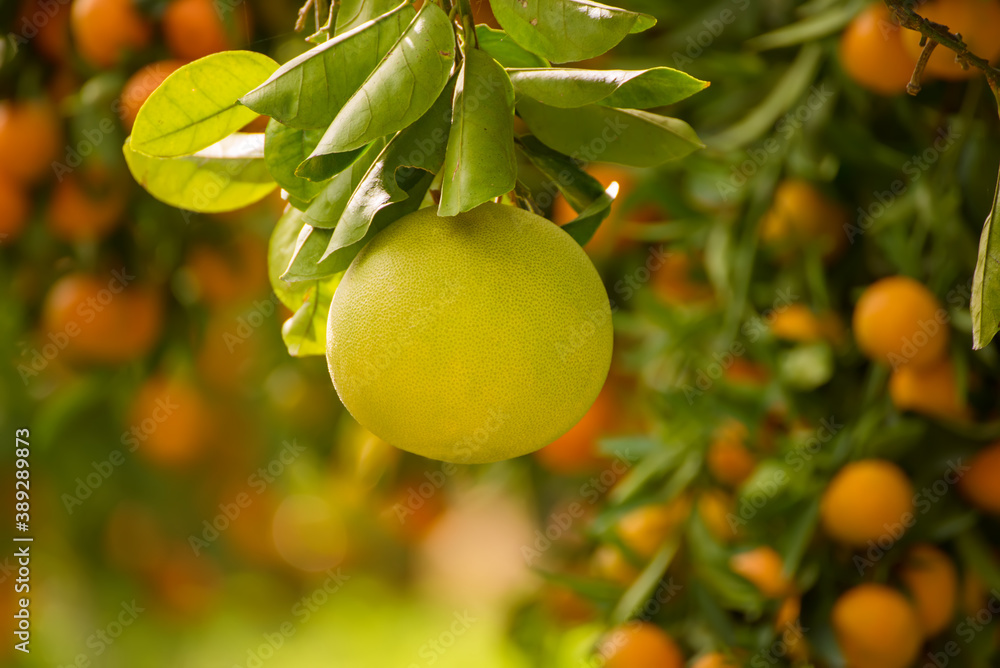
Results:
x,y
603,134
646,583
629,89
480,163
227,175
353,13
401,89
505,50
324,167
567,30
986,281
198,105
305,262
326,210
308,91
583,192
809,29
284,149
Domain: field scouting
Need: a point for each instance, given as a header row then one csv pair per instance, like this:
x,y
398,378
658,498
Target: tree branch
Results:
x,y
937,33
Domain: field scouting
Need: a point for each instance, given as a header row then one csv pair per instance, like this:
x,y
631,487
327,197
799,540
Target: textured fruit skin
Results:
x,y
641,645
932,580
876,627
470,339
898,321
872,37
865,501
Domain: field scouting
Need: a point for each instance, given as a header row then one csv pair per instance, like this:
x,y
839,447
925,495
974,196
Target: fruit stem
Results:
x,y
918,72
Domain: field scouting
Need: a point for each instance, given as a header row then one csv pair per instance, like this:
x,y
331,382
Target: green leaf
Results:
x,y
480,163
225,176
583,192
400,90
305,262
505,50
810,29
308,91
567,30
284,149
630,89
326,210
324,167
280,249
646,583
353,13
305,332
198,105
624,136
986,281
418,150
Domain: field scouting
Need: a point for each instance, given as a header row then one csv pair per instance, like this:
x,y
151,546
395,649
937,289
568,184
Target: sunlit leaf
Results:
x,y
986,281
505,50
630,89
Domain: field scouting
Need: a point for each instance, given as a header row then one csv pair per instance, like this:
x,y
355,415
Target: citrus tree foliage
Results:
x,y
396,109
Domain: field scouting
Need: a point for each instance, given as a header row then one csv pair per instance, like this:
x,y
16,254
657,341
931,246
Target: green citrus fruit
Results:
x,y
470,339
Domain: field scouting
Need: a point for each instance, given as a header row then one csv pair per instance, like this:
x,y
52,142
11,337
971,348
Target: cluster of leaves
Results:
x,y
398,108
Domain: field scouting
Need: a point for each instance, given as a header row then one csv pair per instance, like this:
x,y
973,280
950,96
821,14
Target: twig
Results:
x,y
918,72
939,34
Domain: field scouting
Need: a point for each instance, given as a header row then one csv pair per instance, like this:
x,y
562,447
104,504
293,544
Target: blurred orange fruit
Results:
x,y
105,30
715,506
728,458
171,421
977,21
764,568
237,272
746,373
51,21
194,29
867,500
140,86
644,529
801,216
101,320
675,282
930,390
930,576
609,563
715,660
873,37
186,585
876,627
799,323
979,485
30,138
412,508
14,208
86,205
899,321
640,645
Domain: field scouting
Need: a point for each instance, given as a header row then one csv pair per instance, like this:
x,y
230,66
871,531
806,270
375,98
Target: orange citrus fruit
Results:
x,y
876,627
105,30
873,37
866,501
979,483
764,568
931,390
640,645
932,580
897,320
977,21
30,139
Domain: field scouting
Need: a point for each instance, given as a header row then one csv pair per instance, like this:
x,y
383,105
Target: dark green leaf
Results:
x,y
308,91
401,89
480,163
225,176
353,13
326,210
986,281
567,30
505,50
583,192
198,105
624,136
629,89
284,149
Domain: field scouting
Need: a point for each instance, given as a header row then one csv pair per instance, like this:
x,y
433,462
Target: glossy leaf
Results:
x,y
284,149
280,249
225,176
567,30
986,281
480,163
308,91
326,210
505,50
401,89
353,13
629,89
198,105
304,333
603,134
